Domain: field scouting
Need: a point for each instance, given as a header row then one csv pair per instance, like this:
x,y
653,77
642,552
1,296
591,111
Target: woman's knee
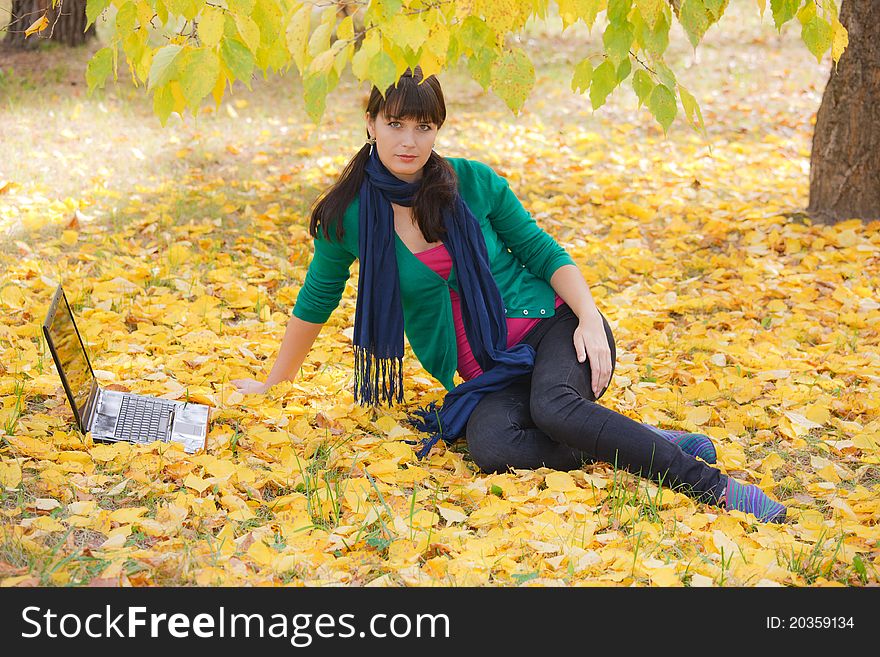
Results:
x,y
551,406
485,438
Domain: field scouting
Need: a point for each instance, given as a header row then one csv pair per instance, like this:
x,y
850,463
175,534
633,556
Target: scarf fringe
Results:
x,y
377,380
427,420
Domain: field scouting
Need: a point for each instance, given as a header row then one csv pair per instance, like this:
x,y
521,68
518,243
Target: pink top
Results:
x,y
440,262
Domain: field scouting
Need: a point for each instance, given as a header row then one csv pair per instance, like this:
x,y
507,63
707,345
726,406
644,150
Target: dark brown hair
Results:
x,y
411,98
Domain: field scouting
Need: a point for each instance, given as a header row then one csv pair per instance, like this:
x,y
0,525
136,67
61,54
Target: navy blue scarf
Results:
x,y
378,322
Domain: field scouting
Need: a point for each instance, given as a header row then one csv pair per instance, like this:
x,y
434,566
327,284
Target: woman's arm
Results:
x,y
299,336
589,337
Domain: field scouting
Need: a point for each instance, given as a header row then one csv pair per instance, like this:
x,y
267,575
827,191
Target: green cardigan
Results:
x,y
522,258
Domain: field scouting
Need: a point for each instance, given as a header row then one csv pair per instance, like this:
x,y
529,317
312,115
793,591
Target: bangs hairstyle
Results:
x,y
415,98
411,100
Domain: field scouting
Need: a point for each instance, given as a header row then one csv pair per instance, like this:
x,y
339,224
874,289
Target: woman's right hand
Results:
x,y
250,386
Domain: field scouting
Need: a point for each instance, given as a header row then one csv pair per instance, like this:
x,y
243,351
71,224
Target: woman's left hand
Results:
x,y
591,341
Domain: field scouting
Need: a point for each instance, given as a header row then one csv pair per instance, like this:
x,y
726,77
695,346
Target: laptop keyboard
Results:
x,y
142,419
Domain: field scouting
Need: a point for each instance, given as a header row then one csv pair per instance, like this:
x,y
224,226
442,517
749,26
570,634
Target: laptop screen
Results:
x,y
72,359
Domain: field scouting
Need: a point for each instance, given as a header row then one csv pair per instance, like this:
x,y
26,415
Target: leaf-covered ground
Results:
x,y
182,250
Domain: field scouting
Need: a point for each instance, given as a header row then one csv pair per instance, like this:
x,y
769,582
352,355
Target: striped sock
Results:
x,y
695,444
748,498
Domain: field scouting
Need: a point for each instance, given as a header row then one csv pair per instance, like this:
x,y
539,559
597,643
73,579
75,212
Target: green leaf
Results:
x,y
125,18
94,9
783,11
495,489
480,66
320,39
816,34
650,11
663,106
475,36
623,70
522,578
694,19
267,16
390,7
408,31
163,68
315,89
249,32
642,84
618,10
186,8
298,36
604,82
383,72
618,38
211,26
691,109
654,39
583,73
570,11
199,71
322,64
241,7
859,566
277,56
360,62
715,8
163,103
665,74
99,67
513,76
238,59
342,58
133,45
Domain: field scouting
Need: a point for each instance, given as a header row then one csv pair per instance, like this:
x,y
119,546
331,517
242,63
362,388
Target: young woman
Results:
x,y
450,256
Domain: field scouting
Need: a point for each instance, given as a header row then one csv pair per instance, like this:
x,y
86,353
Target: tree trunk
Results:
x,y
67,23
845,161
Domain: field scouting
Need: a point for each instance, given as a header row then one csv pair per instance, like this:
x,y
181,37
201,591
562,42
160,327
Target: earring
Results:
x,y
372,142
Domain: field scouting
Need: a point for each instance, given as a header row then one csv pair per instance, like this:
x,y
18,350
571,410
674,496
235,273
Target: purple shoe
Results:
x,y
748,498
695,444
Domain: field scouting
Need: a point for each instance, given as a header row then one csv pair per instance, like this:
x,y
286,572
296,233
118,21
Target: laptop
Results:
x,y
112,415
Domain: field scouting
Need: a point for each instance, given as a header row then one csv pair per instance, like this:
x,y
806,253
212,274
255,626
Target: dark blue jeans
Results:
x,y
550,418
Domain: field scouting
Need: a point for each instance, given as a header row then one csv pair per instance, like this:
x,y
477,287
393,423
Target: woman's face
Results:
x,y
397,138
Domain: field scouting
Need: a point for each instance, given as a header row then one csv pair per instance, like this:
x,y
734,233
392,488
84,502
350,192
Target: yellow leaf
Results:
x,y
46,524
839,39
249,31
106,453
771,462
422,519
211,26
451,513
818,413
196,483
46,504
703,391
127,515
11,296
114,542
699,415
560,482
69,237
10,474
382,468
828,474
37,26
261,553
665,577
